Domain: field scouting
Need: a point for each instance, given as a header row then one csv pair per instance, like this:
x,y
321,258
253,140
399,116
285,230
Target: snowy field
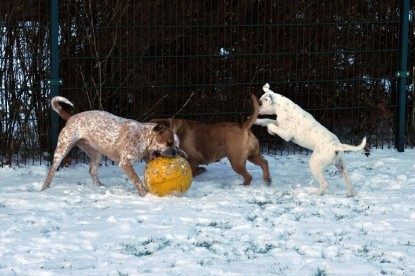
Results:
x,y
219,227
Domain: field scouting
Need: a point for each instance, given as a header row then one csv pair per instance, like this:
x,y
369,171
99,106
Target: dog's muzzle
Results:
x,y
171,152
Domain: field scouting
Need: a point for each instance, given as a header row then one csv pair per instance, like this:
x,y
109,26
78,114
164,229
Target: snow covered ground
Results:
x,y
219,227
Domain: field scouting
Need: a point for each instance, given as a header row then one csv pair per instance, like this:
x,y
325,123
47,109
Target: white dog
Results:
x,y
296,125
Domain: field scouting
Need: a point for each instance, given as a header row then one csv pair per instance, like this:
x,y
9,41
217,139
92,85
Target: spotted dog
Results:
x,y
122,140
296,125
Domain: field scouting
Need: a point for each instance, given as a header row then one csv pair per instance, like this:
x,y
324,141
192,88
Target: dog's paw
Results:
x,y
265,122
351,193
183,154
259,122
270,131
142,192
199,170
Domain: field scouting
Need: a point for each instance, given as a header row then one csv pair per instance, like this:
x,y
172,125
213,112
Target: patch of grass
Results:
x,y
207,242
223,225
364,250
204,244
251,217
363,231
145,247
340,216
52,228
220,225
255,248
260,202
205,262
321,272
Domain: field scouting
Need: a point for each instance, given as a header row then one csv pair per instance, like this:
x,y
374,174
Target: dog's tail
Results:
x,y
62,112
251,119
345,147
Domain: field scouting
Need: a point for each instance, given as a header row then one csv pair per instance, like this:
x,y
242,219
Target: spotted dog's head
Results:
x,y
267,102
164,143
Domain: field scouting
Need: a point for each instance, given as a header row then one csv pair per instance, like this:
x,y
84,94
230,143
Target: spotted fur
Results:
x,y
122,140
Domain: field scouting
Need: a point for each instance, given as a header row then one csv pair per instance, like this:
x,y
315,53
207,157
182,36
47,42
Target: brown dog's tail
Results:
x,y
62,112
251,119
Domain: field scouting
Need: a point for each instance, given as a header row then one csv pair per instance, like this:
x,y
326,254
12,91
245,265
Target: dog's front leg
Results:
x,y
280,131
129,171
265,122
182,153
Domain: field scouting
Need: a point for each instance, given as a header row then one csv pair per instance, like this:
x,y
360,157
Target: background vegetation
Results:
x,y
201,60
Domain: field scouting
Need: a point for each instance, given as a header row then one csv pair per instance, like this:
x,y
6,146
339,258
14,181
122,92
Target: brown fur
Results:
x,y
205,143
101,133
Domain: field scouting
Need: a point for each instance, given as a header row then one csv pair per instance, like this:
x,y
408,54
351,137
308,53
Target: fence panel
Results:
x,y
24,68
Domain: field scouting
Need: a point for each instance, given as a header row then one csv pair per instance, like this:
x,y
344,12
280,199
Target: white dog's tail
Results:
x,y
55,105
345,147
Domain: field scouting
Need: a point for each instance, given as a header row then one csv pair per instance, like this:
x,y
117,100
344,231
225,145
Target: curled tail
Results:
x,y
345,147
55,105
251,119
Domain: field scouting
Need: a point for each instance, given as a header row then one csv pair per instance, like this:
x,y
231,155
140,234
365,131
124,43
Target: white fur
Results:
x,y
296,125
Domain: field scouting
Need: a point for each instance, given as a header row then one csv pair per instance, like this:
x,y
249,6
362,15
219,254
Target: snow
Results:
x,y
218,227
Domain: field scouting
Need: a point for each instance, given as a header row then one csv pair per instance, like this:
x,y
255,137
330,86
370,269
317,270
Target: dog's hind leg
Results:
x,y
94,159
260,161
65,144
342,168
240,168
317,165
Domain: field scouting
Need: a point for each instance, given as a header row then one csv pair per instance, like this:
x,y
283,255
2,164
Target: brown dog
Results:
x,y
205,144
102,133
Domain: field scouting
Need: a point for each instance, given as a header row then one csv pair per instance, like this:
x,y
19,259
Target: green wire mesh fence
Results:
x,y
201,59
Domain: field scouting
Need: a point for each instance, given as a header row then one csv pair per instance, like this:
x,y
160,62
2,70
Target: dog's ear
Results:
x,y
160,128
266,88
165,122
271,99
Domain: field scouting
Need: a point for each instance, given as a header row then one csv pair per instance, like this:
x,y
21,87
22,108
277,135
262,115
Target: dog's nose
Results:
x,y
173,152
259,103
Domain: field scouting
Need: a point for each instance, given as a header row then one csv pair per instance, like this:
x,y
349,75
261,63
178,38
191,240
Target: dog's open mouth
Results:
x,y
154,155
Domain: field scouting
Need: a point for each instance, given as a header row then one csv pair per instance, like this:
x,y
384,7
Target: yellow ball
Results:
x,y
168,176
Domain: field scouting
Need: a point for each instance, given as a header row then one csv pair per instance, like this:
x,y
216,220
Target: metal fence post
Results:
x,y
403,75
54,81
